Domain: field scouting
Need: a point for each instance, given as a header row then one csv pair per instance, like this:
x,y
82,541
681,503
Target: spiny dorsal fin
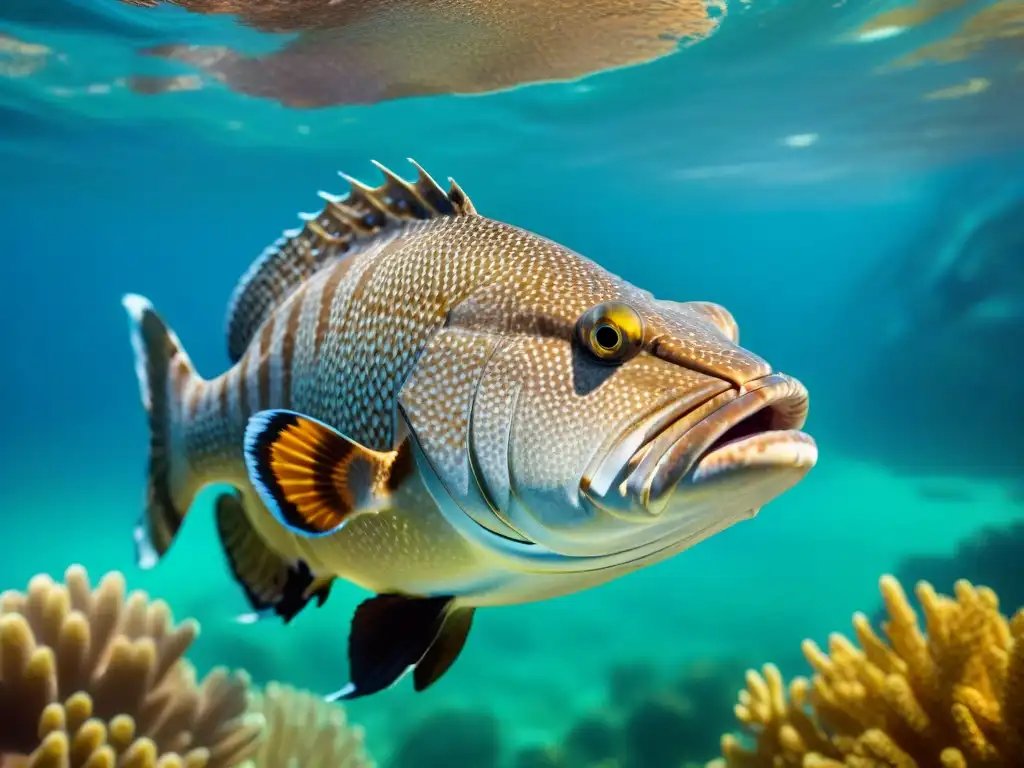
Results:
x,y
344,223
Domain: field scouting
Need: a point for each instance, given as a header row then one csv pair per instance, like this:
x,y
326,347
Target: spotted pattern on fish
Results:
x,y
342,227
397,317
448,369
339,376
358,335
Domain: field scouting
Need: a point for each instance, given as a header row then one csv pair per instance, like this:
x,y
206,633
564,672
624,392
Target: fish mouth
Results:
x,y
747,431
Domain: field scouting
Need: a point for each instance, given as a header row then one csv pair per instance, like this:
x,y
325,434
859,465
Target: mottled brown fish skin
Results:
x,y
402,316
453,412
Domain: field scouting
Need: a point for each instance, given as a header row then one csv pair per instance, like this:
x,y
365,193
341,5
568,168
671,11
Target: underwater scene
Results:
x,y
645,392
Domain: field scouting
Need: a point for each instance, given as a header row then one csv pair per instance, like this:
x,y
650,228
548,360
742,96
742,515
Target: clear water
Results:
x,y
864,222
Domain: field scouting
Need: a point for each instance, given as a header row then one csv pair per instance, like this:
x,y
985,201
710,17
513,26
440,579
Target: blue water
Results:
x,y
861,232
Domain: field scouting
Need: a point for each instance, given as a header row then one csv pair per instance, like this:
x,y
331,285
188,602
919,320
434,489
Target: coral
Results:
x,y
953,697
990,556
647,722
539,757
660,731
594,739
630,681
94,678
451,737
678,724
303,731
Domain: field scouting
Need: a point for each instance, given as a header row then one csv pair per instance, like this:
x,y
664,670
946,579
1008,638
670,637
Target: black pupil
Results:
x,y
606,336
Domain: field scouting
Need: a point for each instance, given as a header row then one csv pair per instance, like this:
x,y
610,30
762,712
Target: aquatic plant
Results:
x,y
950,695
303,731
94,677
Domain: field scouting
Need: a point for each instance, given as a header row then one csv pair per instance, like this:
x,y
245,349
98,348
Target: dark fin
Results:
x,y
344,224
445,650
390,635
271,583
716,314
321,589
164,372
312,478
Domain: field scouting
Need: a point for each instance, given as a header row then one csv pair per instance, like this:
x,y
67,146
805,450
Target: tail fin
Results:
x,y
165,375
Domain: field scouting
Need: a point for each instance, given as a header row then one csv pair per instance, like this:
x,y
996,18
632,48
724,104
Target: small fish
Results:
x,y
452,412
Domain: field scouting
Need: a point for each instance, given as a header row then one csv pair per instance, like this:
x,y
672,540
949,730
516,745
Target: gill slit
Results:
x,y
513,496
474,465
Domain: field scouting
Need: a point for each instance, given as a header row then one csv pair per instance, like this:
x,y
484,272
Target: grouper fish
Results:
x,y
452,412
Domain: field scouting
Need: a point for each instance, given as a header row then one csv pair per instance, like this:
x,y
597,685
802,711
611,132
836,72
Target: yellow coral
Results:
x,y
91,678
303,731
951,695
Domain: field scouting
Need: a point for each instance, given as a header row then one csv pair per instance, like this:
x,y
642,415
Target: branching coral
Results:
x,y
303,731
953,697
96,679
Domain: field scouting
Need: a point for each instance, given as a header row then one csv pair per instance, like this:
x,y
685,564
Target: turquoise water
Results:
x,y
859,220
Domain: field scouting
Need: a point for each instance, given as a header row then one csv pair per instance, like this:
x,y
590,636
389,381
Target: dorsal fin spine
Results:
x,y
343,224
423,179
324,234
463,205
355,184
393,182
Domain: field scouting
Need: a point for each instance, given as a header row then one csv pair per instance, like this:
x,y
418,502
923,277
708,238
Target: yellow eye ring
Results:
x,y
613,332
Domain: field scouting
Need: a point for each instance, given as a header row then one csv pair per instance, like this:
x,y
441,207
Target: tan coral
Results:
x,y
96,679
951,695
303,731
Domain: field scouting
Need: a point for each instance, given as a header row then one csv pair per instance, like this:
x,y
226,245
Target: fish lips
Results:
x,y
753,431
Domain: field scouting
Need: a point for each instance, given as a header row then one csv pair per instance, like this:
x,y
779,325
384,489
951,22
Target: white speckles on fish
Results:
x,y
453,412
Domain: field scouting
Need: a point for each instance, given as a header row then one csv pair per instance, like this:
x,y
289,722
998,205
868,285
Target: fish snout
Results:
x,y
744,436
712,355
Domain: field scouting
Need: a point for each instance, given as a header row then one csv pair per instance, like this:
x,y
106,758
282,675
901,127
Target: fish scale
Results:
x,y
453,412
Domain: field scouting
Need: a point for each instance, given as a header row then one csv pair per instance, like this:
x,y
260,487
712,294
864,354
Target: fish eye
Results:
x,y
613,332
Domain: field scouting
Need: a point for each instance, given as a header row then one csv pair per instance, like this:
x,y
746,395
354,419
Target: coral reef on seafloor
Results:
x,y
990,556
303,731
950,695
647,722
96,678
451,738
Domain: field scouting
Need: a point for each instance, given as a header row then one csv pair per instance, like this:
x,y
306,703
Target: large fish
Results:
x,y
367,51
453,412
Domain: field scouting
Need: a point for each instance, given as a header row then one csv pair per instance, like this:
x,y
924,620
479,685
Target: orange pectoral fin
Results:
x,y
312,478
